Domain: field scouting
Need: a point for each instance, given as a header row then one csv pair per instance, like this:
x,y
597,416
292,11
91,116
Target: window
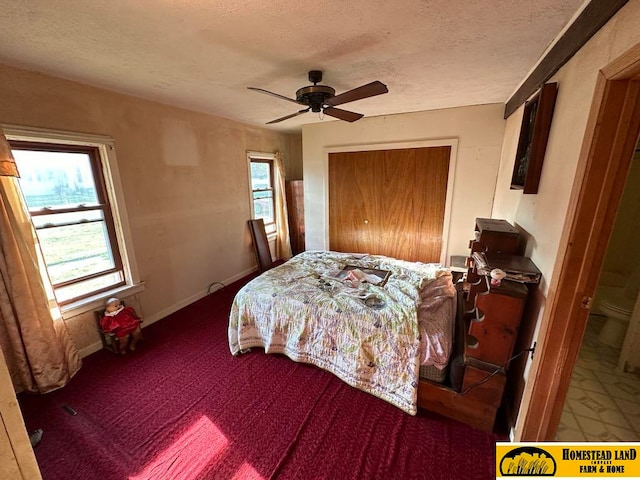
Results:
x,y
262,190
67,184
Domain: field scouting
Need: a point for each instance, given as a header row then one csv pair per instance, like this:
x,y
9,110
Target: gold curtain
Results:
x,y
36,345
7,162
282,219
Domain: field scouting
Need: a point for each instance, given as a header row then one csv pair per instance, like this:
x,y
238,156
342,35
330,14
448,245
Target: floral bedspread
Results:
x,y
304,310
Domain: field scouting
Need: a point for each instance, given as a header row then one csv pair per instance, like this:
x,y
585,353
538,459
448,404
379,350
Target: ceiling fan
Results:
x,y
322,98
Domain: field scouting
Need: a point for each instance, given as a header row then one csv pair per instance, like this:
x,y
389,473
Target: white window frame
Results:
x,y
251,156
111,175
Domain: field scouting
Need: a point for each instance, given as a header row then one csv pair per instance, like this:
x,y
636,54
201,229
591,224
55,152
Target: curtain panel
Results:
x,y
37,347
282,218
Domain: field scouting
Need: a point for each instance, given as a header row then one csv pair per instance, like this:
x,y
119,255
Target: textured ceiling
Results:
x,y
202,54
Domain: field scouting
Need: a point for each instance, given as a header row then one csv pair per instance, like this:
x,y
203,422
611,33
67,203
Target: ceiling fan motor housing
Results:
x,y
315,96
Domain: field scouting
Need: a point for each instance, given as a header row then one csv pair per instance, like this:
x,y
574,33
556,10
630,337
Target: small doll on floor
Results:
x,y
123,322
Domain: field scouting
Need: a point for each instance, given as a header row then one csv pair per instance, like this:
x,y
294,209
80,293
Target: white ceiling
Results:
x,y
202,54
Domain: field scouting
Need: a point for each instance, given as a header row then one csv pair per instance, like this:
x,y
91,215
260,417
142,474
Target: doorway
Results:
x,y
610,139
603,400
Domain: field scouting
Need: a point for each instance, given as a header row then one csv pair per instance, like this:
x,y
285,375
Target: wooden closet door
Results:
x,y
389,202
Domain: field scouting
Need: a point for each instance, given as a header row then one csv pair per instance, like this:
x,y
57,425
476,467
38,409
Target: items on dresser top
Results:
x,y
516,267
495,235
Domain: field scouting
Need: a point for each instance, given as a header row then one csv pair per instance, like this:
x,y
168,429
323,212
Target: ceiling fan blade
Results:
x,y
365,91
304,110
261,90
345,115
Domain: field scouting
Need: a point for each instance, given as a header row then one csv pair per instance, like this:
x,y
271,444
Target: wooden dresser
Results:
x,y
490,322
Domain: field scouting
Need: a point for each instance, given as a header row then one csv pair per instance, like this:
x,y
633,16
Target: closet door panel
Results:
x,y
397,222
388,202
432,173
354,182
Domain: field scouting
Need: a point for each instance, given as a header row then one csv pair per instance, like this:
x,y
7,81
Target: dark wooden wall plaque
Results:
x,y
534,133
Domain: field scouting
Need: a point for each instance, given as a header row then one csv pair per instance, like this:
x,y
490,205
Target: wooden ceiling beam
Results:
x,y
590,20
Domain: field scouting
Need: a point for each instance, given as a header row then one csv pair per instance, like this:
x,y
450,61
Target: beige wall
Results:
x,y
545,215
184,176
478,130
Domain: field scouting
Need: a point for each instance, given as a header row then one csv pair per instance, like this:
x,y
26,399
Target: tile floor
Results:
x,y
603,404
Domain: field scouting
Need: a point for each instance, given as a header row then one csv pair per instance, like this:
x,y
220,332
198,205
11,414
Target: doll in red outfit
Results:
x,y
123,322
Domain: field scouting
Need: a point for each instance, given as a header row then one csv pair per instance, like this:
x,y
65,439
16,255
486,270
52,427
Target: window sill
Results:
x,y
97,302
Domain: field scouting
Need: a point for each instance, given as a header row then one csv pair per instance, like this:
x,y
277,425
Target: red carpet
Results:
x,y
182,407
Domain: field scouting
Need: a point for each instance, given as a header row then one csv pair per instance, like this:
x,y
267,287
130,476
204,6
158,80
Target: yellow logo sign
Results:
x,y
529,461
575,460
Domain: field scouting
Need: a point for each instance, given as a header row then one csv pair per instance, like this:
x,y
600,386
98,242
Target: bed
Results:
x,y
373,321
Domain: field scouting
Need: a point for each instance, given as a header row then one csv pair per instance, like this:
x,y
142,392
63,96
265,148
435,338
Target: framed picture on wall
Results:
x,y
532,144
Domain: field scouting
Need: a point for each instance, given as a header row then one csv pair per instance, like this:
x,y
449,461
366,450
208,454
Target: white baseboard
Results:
x,y
150,319
93,348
